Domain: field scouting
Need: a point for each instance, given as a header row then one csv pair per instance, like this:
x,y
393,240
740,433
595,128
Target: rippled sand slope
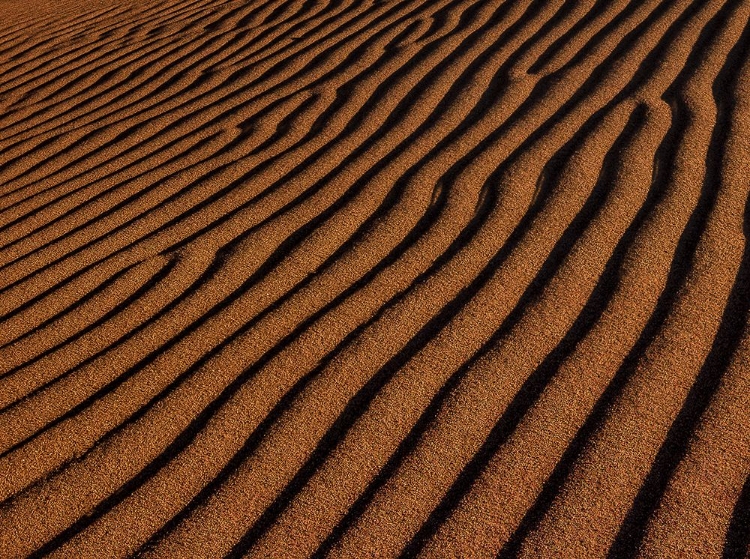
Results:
x,y
374,278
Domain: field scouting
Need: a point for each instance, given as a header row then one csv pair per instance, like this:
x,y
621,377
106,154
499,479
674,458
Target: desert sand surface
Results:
x,y
374,278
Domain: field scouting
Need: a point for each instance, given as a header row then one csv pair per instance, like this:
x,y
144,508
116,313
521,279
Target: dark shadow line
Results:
x,y
737,544
139,71
160,275
50,61
569,36
98,197
74,305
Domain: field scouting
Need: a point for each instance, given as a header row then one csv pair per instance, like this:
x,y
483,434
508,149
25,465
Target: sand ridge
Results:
x,y
293,278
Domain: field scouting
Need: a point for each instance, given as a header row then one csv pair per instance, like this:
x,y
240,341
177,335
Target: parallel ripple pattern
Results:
x,y
378,278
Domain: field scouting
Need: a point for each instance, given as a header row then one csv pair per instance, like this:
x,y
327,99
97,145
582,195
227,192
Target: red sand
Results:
x,y
452,278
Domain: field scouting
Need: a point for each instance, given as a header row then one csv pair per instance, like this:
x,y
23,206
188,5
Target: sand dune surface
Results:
x,y
378,278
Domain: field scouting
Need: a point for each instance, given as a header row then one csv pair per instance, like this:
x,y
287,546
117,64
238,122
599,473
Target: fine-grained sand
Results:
x,y
379,278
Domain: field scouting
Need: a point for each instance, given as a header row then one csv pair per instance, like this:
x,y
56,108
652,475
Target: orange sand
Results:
x,y
383,278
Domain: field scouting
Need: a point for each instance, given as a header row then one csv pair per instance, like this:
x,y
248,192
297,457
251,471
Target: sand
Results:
x,y
385,278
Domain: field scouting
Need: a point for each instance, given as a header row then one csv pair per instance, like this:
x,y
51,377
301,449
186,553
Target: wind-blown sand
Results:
x,y
450,278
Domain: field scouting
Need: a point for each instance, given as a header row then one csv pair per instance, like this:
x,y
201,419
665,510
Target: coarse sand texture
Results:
x,y
375,278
